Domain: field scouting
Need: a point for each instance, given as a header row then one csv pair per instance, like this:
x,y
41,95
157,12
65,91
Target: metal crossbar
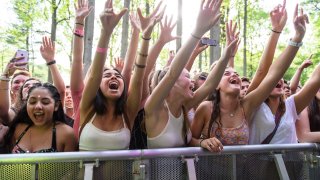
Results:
x,y
285,161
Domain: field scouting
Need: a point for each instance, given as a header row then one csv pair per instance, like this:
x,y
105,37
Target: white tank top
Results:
x,y
171,135
95,139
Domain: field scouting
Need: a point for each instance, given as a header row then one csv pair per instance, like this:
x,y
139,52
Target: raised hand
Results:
x,y
47,49
279,17
208,16
147,23
200,47
299,21
306,63
82,10
109,19
134,21
118,63
231,35
166,29
14,65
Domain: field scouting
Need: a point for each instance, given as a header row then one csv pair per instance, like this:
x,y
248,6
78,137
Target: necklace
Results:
x,y
231,114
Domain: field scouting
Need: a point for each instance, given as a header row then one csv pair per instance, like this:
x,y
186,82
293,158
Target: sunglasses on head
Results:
x,y
202,77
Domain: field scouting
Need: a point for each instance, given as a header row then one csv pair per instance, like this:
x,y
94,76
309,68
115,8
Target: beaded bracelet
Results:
x,y
146,39
143,55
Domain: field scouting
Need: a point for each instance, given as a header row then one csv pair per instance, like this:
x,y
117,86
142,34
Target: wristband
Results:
x,y
139,65
143,55
79,32
101,50
51,62
80,24
147,39
295,44
276,31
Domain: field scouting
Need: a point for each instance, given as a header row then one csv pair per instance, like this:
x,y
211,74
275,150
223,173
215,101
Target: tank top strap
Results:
x,y
124,118
22,134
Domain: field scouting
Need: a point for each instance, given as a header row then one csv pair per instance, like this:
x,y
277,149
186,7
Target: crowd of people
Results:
x,y
135,106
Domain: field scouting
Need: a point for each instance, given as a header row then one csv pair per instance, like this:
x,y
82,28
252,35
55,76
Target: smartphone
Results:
x,y
210,42
23,56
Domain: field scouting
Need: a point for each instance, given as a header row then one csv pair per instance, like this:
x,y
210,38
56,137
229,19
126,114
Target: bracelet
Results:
x,y
80,24
201,142
143,55
79,32
146,39
194,36
51,62
4,78
294,44
276,31
101,50
78,35
139,65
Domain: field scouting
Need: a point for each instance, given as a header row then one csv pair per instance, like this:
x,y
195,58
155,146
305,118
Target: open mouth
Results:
x,y
38,114
113,85
278,86
233,81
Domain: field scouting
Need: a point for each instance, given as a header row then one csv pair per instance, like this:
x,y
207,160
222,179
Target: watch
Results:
x,y
295,44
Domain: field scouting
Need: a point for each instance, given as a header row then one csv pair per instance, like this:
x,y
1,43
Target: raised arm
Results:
x,y
197,50
294,82
278,68
109,19
47,51
233,34
209,14
214,76
132,49
76,80
6,114
304,133
135,88
166,28
308,91
278,17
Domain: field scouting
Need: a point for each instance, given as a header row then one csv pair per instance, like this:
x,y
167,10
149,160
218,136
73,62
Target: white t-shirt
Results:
x,y
263,124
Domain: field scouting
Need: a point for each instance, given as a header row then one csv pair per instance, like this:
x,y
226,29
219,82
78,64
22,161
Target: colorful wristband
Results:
x,y
79,32
101,50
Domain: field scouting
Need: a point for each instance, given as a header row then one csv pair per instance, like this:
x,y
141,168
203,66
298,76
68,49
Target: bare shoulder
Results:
x,y
205,106
64,129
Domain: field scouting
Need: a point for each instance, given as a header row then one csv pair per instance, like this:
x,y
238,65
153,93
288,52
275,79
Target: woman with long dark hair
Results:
x,y
40,124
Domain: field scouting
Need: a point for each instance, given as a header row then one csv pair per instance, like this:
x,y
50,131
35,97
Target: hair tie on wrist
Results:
x,y
51,62
80,24
143,55
139,65
101,50
146,39
278,32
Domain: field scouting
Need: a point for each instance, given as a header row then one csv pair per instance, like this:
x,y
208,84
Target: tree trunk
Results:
x,y
89,29
215,51
179,25
245,39
125,31
53,29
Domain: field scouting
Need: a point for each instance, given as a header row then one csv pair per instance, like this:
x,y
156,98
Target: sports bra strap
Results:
x,y
54,143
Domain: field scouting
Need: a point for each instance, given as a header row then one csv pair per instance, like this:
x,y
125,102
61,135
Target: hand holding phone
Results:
x,y
209,42
21,58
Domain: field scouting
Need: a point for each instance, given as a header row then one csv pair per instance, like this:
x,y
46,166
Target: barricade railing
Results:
x,y
281,161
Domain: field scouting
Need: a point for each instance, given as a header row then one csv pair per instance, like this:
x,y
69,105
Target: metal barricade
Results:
x,y
286,161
